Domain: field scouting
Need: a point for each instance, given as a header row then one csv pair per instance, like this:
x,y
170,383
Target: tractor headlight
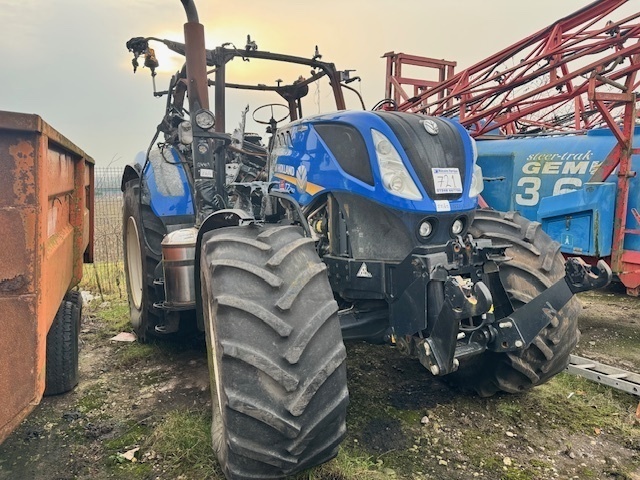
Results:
x,y
474,149
425,229
395,177
477,184
457,227
205,119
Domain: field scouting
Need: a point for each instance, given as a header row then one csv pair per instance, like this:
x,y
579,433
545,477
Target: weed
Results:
x,y
183,438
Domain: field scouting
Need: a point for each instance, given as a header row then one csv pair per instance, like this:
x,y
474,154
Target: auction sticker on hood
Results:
x,y
447,180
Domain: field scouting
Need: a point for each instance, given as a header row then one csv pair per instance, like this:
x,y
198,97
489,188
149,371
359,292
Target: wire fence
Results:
x,y
106,275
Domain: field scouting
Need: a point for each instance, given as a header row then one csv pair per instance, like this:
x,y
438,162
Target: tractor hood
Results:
x,y
405,161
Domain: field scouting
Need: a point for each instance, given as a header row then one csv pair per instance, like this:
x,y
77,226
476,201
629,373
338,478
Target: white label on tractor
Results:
x,y
443,206
363,272
206,173
447,180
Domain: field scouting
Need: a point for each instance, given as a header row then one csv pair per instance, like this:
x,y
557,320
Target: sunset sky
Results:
x,y
66,59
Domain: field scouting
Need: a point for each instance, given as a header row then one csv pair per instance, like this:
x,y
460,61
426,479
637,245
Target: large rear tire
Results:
x,y
276,356
142,234
536,264
62,346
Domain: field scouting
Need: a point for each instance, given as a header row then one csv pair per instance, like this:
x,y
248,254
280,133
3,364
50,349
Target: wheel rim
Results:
x,y
212,345
134,263
217,425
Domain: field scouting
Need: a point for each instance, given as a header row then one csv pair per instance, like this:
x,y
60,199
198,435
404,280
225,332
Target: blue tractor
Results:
x,y
349,225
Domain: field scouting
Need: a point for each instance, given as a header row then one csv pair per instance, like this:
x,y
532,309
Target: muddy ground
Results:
x,y
142,412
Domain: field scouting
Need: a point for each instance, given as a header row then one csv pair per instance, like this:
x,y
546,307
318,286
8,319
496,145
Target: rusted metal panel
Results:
x,y
17,255
46,222
88,223
17,368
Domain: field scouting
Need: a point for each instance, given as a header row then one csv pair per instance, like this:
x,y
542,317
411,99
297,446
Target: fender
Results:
x,y
131,172
222,218
168,190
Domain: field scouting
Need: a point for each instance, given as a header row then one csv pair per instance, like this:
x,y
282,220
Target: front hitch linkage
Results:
x,y
514,332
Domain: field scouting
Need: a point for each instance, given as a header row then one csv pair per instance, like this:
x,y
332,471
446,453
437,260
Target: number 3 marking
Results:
x,y
530,196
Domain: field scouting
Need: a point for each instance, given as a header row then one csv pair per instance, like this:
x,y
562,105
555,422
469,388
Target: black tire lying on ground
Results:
x,y
276,356
62,346
536,265
142,234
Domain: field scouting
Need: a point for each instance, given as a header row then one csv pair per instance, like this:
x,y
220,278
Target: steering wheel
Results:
x,y
272,120
386,101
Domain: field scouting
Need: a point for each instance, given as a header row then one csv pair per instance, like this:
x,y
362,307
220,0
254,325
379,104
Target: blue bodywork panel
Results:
x,y
583,221
305,167
162,202
537,175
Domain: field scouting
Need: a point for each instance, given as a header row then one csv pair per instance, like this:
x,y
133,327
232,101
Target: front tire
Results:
x,y
142,234
536,264
276,356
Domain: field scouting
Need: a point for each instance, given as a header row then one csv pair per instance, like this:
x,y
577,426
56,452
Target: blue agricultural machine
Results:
x,y
553,180
346,225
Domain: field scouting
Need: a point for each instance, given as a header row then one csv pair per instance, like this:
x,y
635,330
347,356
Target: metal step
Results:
x,y
598,372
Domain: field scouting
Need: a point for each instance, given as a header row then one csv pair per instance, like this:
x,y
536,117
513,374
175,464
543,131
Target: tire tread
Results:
x,y
280,356
536,265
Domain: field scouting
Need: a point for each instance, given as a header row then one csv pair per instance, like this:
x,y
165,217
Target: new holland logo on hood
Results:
x,y
301,178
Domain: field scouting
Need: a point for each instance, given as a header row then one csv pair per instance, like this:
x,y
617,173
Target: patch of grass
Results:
x,y
510,407
104,279
349,464
519,474
409,417
495,465
133,353
132,436
91,400
585,472
492,463
591,405
479,446
540,464
115,318
124,468
183,438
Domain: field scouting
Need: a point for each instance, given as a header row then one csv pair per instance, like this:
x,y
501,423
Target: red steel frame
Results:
x,y
626,264
576,74
524,88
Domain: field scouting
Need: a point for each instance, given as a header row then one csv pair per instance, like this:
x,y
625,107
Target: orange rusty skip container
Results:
x,y
46,232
